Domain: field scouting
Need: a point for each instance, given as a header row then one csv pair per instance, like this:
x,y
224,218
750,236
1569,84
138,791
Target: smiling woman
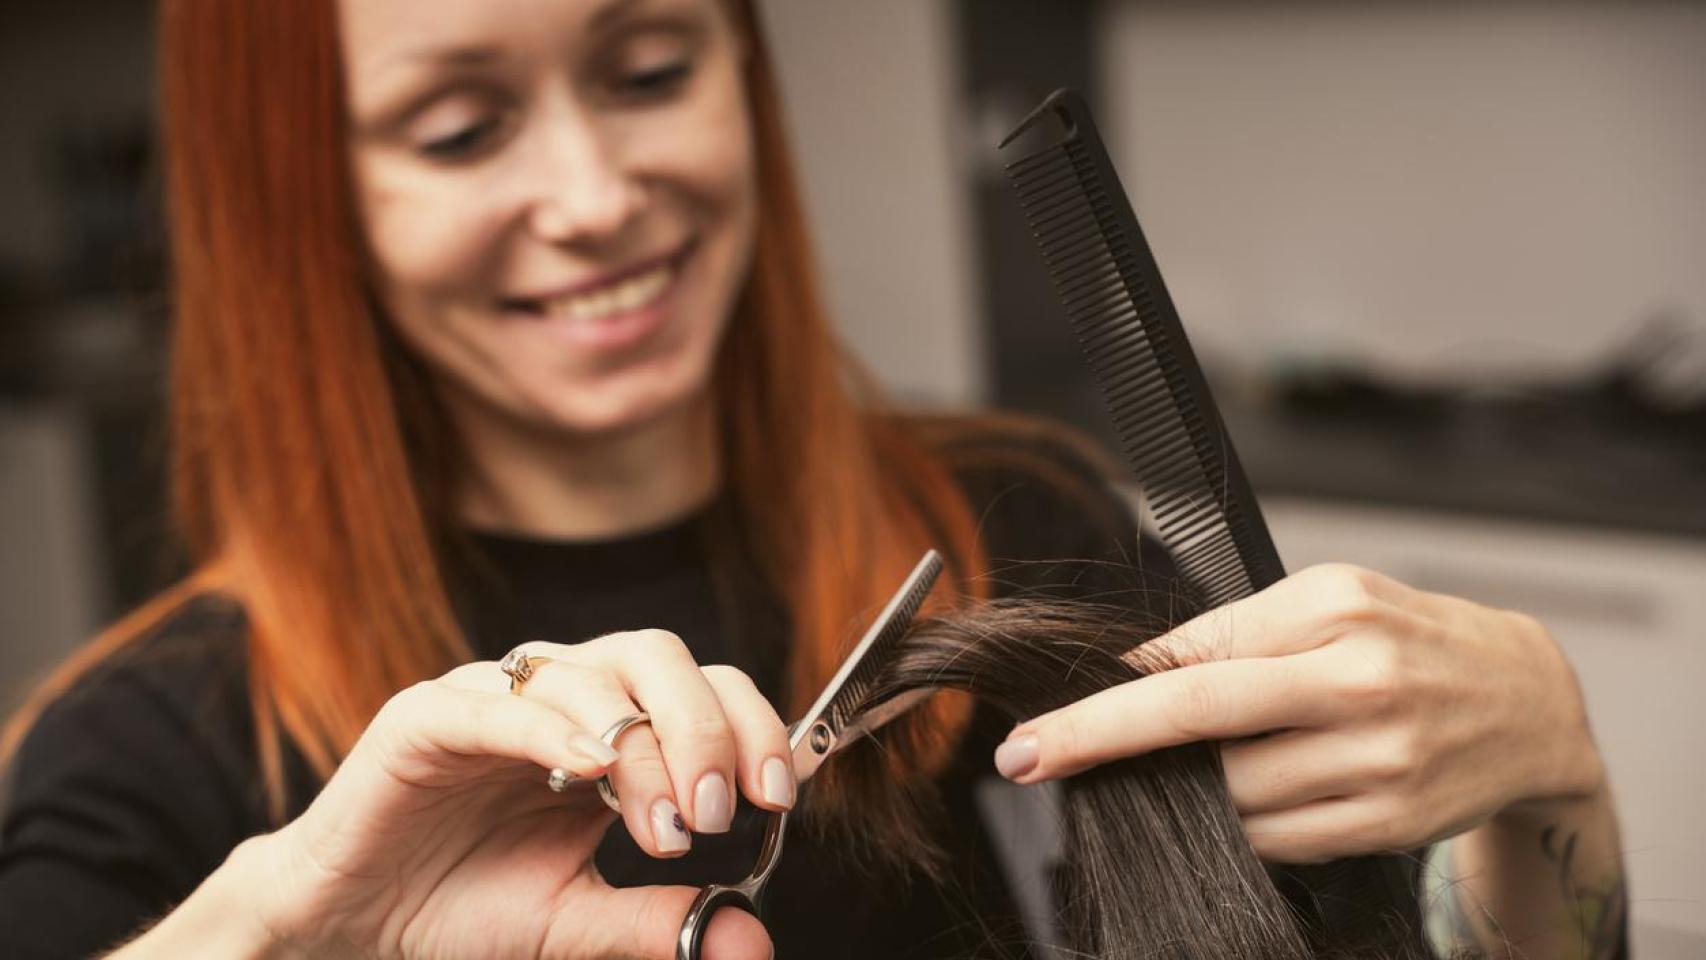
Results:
x,y
561,202
497,342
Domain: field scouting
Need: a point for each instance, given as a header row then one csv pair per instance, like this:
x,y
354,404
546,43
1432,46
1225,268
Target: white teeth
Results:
x,y
633,292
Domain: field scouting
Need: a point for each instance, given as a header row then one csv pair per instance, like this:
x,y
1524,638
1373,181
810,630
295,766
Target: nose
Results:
x,y
582,191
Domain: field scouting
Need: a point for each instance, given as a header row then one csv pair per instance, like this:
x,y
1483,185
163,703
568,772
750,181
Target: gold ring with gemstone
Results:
x,y
520,666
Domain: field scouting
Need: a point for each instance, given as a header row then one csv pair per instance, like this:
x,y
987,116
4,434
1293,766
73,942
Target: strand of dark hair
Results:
x,y
1157,863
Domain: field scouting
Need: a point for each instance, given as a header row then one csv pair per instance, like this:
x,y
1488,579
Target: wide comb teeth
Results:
x,y
1125,323
897,618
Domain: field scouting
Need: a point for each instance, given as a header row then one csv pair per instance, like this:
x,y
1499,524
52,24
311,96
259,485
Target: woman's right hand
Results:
x,y
437,836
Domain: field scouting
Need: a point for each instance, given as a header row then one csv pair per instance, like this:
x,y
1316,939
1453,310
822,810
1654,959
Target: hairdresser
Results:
x,y
495,326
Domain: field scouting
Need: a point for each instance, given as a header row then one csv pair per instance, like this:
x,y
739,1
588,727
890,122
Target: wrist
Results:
x,y
1587,790
222,917
255,888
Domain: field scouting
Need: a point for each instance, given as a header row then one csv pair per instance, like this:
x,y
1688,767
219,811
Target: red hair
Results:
x,y
304,475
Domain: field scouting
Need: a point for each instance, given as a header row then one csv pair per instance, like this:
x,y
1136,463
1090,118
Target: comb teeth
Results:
x,y
1169,428
857,690
1172,437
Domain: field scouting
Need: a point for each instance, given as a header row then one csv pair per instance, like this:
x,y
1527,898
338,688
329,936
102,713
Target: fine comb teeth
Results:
x,y
1168,424
1171,432
892,624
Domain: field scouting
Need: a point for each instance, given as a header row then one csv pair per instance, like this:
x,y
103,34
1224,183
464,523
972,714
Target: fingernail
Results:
x,y
594,748
1016,757
776,782
668,830
712,809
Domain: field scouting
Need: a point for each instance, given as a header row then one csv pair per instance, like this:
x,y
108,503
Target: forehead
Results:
x,y
378,34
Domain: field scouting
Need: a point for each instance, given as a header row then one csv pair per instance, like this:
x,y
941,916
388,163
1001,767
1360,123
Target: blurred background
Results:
x,y
1445,262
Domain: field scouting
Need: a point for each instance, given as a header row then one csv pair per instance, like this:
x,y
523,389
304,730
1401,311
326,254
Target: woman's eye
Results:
x,y
656,82
460,143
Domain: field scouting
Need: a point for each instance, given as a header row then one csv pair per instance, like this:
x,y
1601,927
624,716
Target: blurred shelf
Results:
x,y
1550,470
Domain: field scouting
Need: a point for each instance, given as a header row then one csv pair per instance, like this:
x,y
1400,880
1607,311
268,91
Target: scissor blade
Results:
x,y
822,729
876,716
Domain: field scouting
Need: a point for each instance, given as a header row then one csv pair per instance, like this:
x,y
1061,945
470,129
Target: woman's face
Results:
x,y
558,195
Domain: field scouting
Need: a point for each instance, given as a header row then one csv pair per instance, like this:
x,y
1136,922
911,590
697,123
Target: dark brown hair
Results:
x,y
1157,861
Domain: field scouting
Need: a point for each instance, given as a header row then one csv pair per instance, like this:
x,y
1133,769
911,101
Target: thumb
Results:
x,y
644,923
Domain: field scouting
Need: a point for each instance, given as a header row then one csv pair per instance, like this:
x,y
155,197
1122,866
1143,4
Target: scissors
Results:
x,y
841,715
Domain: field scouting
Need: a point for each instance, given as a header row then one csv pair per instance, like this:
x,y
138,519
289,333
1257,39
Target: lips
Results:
x,y
624,290
619,311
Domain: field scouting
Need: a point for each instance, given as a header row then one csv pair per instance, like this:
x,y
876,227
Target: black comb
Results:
x,y
1174,441
1130,332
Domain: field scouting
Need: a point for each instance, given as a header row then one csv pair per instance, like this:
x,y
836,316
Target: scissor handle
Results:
x,y
711,899
744,895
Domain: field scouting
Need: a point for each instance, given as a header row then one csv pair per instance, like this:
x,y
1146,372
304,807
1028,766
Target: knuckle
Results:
x,y
643,764
722,675
1062,738
1348,593
1397,825
1196,709
410,703
700,732
1398,759
660,642
1376,681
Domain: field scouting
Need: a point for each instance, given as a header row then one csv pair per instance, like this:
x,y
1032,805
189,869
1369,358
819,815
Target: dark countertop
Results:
x,y
1518,460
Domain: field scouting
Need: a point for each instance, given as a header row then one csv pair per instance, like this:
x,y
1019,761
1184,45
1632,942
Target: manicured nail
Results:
x,y
713,811
777,783
1017,757
594,748
669,832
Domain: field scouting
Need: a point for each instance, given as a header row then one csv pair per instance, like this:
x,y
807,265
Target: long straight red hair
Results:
x,y
303,476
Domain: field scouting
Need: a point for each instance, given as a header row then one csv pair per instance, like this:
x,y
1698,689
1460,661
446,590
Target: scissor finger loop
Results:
x,y
609,736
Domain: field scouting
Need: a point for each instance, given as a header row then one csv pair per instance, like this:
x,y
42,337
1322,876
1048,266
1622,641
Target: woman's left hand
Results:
x,y
1393,717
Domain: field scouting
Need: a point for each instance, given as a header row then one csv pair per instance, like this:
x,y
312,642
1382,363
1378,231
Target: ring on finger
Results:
x,y
520,666
609,736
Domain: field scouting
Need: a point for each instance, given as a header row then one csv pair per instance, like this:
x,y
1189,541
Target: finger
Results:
x,y
595,698
699,748
451,720
766,764
1302,612
1326,830
1220,700
1291,769
644,922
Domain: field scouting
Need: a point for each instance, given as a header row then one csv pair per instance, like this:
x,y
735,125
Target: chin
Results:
x,y
631,401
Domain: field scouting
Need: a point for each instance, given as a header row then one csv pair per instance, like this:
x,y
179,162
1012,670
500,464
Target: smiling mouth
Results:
x,y
632,292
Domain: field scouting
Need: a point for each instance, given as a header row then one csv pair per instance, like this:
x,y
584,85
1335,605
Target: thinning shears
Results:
x,y
840,716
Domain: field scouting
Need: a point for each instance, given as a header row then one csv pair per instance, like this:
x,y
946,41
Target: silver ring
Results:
x,y
609,736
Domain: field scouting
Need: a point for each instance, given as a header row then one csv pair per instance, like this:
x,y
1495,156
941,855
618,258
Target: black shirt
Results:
x,y
133,787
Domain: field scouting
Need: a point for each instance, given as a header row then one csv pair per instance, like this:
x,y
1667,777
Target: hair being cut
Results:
x,y
1157,863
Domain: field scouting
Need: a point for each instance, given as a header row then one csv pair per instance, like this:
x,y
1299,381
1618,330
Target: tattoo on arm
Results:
x,y
1598,913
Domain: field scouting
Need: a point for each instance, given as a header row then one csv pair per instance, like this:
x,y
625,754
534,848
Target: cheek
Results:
x,y
712,157
426,238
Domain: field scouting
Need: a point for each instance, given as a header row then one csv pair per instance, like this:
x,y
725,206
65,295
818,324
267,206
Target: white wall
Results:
x,y
1426,184
49,569
868,87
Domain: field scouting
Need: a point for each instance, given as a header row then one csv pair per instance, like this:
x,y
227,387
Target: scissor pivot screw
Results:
x,y
821,738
